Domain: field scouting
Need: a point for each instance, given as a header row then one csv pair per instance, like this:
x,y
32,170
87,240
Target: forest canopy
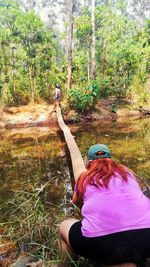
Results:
x,y
34,55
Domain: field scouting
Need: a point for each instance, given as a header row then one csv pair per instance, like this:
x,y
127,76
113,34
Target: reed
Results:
x,y
32,222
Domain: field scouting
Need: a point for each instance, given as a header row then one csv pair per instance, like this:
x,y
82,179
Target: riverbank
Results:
x,y
44,115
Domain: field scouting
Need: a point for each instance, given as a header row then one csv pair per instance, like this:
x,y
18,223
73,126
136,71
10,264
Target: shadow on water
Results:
x,y
35,179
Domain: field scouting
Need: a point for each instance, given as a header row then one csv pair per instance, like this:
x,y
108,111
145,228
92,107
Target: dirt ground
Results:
x,y
44,115
25,116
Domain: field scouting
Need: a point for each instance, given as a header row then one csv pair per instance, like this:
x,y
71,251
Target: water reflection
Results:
x,y
129,142
33,178
31,162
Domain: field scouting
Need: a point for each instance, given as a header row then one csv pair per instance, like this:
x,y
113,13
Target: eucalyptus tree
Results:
x,y
119,47
141,85
5,90
83,43
30,35
86,35
37,43
8,13
70,40
27,55
117,54
93,61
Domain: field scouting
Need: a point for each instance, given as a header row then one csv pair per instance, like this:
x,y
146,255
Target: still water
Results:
x,y
35,179
129,142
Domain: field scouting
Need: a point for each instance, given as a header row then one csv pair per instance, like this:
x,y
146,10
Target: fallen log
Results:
x,y
76,158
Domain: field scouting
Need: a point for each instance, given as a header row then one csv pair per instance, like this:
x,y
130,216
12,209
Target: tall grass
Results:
x,y
32,222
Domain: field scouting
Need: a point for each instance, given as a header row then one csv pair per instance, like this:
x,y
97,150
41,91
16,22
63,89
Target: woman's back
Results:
x,y
119,207
115,227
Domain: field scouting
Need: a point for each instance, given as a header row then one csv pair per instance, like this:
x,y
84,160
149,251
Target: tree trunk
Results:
x,y
148,82
13,68
93,63
31,85
6,91
88,65
70,38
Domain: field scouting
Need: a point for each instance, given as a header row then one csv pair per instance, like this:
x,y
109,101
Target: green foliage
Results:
x,y
93,88
32,58
122,49
80,67
28,56
139,93
83,99
80,100
83,30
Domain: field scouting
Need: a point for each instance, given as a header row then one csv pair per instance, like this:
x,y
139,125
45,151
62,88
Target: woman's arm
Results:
x,y
76,200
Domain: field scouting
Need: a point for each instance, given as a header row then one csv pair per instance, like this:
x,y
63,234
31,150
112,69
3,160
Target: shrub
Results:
x,y
80,99
83,99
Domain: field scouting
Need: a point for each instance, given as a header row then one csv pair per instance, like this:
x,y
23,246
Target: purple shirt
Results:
x,y
120,207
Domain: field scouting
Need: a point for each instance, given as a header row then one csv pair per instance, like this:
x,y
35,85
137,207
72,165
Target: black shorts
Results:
x,y
122,247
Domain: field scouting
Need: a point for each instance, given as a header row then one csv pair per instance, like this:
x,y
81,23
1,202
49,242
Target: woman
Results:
x,y
57,93
115,224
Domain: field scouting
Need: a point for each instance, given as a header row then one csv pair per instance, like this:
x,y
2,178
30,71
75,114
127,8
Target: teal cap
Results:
x,y
93,152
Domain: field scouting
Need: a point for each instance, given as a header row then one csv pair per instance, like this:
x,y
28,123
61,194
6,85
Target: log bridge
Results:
x,y
77,160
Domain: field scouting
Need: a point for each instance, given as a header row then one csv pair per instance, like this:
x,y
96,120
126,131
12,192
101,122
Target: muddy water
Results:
x,y
128,140
29,163
34,176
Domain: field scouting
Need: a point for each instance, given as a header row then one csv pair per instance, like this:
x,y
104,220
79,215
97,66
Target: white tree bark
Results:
x,y
70,39
93,59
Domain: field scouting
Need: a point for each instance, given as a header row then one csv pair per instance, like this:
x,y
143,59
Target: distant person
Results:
x,y
57,94
115,223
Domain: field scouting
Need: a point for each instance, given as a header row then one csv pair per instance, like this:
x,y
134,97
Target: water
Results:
x,y
30,162
34,176
129,142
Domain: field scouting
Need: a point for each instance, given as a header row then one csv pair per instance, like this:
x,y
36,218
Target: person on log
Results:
x,y
115,224
57,94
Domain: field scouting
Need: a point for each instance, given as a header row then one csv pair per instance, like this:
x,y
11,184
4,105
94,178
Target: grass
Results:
x,y
32,223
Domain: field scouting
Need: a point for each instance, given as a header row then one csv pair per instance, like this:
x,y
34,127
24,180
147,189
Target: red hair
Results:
x,y
99,173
